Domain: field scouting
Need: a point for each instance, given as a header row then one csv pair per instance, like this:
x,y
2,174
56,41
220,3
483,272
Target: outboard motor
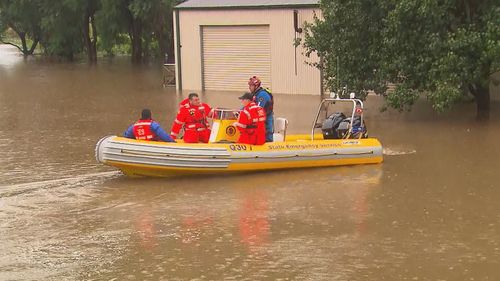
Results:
x,y
337,126
357,131
343,128
331,124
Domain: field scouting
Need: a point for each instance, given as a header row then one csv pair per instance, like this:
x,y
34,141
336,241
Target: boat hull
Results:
x,y
160,159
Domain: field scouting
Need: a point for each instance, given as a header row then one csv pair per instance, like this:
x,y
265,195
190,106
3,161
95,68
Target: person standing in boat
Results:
x,y
147,129
251,122
193,116
263,98
185,102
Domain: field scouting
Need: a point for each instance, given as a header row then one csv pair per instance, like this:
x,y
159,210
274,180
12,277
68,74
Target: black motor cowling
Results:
x,y
336,126
330,125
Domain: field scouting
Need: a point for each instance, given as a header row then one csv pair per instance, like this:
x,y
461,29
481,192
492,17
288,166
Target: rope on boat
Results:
x,y
308,155
242,157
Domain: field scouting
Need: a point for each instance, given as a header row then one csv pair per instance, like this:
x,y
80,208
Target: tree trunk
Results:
x,y
483,103
22,35
170,49
136,39
70,56
24,46
86,35
90,42
33,46
160,28
94,38
170,38
482,97
162,45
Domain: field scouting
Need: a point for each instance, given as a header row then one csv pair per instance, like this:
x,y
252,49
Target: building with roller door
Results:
x,y
221,43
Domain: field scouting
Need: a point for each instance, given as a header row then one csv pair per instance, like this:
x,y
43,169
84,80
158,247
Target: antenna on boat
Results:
x,y
338,74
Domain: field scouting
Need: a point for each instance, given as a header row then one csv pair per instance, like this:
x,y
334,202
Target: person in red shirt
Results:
x,y
251,122
193,117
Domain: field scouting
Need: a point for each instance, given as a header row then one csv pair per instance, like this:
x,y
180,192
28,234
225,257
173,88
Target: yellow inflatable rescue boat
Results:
x,y
342,141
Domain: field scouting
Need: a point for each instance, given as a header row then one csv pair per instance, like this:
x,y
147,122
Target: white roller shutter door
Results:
x,y
231,54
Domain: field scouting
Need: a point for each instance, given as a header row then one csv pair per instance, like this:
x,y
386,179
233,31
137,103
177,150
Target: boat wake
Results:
x,y
396,151
14,189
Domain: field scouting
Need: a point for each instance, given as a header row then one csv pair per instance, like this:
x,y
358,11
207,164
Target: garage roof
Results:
x,y
245,4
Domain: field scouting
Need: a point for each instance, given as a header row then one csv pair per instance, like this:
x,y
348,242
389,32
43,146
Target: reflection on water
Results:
x,y
429,212
254,223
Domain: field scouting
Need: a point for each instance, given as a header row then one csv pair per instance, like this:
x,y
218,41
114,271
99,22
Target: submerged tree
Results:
x,y
68,28
161,26
89,30
23,17
147,23
446,49
62,28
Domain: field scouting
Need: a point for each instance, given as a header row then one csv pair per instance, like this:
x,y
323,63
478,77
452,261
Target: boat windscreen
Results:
x,y
225,114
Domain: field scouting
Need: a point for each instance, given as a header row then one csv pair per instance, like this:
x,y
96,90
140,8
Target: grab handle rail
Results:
x,y
355,102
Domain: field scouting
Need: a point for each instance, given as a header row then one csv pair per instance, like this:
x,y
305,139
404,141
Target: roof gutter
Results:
x,y
250,7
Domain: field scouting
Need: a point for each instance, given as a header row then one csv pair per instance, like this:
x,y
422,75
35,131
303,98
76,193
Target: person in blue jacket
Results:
x,y
264,99
147,129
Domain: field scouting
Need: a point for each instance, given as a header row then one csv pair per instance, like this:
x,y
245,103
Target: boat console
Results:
x,y
223,130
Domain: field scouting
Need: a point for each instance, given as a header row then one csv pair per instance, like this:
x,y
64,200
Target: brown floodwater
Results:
x,y
431,211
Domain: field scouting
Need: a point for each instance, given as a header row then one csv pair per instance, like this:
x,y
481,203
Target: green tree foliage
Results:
x,y
62,28
112,21
445,49
23,17
67,28
147,23
156,23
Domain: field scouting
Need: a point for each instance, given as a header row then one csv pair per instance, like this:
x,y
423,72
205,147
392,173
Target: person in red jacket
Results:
x,y
251,122
193,117
184,102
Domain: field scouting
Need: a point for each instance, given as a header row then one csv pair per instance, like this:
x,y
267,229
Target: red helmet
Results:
x,y
254,81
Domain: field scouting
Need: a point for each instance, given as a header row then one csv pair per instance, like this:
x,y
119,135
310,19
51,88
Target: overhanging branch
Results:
x,y
12,44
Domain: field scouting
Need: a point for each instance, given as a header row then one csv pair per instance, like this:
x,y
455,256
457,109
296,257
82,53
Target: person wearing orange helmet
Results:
x,y
264,99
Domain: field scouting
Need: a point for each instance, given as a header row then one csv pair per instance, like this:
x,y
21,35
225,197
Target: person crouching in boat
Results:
x,y
147,129
251,122
193,116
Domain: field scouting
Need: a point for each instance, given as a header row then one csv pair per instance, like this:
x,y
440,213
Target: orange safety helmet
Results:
x,y
254,81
